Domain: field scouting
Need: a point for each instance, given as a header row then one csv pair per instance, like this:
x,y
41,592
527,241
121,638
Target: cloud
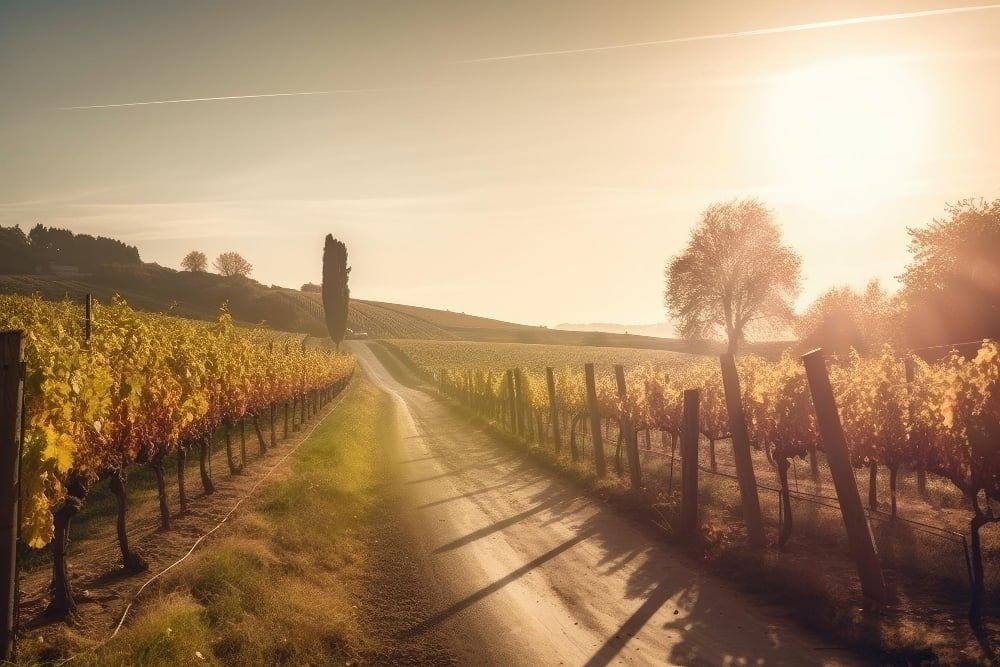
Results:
x,y
819,25
341,91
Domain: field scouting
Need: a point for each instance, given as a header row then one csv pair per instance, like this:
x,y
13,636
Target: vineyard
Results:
x,y
108,388
925,436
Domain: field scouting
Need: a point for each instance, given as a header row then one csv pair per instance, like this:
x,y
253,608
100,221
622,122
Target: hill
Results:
x,y
660,329
199,295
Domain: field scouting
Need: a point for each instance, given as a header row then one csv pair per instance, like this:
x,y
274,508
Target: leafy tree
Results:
x,y
232,264
311,287
952,284
195,261
734,275
16,253
336,293
61,246
842,318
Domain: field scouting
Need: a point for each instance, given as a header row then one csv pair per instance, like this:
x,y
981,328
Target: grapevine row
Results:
x,y
945,420
140,388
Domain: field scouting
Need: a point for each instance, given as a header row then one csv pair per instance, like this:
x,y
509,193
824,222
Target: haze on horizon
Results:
x,y
543,189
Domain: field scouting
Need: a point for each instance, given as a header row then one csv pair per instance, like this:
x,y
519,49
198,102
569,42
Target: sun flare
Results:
x,y
848,133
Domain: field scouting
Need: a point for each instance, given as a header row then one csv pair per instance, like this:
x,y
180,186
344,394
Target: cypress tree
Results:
x,y
336,293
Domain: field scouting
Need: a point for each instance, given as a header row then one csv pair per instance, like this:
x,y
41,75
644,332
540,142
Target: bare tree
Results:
x,y
195,261
232,264
735,274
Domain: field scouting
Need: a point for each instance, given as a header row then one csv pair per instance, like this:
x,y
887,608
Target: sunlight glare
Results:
x,y
846,134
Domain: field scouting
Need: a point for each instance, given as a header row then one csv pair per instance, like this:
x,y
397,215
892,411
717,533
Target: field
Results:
x,y
920,521
471,355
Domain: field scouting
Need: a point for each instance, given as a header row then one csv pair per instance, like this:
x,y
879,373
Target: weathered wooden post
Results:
x,y
550,380
859,534
11,430
511,401
628,431
518,402
689,463
741,451
88,318
595,421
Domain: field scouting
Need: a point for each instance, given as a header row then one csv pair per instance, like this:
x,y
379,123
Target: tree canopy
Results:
x,y
232,264
195,261
42,247
952,284
734,275
843,318
336,293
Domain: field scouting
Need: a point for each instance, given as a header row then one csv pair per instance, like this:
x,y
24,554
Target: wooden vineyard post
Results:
x,y
518,404
741,451
11,430
88,318
628,431
550,380
595,421
859,534
689,463
511,402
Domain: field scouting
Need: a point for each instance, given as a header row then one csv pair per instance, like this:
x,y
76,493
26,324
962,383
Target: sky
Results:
x,y
538,162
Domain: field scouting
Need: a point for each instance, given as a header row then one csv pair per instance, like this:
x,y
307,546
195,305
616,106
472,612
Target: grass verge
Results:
x,y
285,581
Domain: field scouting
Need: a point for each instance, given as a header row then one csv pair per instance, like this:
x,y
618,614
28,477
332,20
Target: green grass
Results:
x,y
281,583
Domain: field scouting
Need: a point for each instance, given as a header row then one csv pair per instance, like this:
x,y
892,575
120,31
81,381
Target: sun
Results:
x,y
846,134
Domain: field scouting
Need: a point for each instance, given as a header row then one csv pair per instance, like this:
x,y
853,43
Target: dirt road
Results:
x,y
527,570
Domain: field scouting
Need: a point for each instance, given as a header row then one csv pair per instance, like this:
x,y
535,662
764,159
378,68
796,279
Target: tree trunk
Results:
x,y
978,581
873,486
673,453
711,454
206,453
814,464
921,483
285,436
274,434
786,501
618,448
233,468
573,449
161,488
295,409
892,488
303,417
243,443
131,561
261,443
62,605
181,489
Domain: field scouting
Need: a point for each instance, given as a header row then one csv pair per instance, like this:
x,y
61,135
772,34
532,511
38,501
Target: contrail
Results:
x,y
744,33
342,91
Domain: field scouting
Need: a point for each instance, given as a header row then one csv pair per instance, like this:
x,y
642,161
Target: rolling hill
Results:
x,y
199,295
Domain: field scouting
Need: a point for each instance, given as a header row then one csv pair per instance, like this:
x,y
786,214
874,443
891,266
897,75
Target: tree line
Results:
x,y
42,247
737,278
